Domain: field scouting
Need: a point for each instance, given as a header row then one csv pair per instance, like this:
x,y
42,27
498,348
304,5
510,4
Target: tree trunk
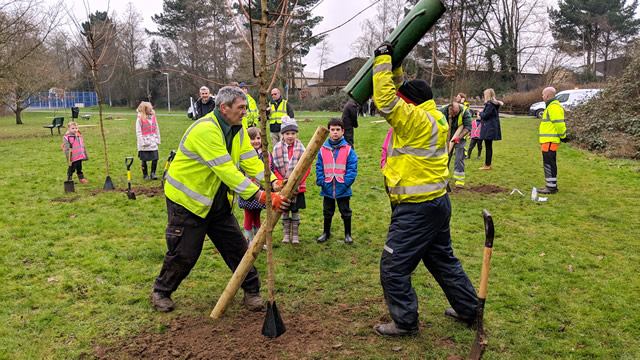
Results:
x,y
94,72
18,115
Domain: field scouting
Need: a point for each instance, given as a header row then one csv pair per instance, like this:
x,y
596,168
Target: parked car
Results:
x,y
567,98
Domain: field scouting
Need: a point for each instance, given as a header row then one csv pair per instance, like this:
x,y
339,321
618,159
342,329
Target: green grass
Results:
x,y
79,273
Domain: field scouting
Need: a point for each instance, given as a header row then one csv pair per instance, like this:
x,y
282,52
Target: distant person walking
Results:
x,y
277,108
74,151
350,120
490,131
148,138
551,132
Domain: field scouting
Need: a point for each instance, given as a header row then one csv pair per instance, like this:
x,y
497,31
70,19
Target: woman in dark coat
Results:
x,y
490,130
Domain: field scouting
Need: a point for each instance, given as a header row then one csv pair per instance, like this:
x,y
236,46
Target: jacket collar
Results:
x,y
550,101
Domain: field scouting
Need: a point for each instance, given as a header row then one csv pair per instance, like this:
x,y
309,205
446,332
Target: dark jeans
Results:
x,y
329,206
75,166
488,152
185,237
420,232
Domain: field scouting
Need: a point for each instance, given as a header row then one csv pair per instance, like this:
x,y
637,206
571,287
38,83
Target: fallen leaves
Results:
x,y
542,254
52,279
73,216
570,268
396,348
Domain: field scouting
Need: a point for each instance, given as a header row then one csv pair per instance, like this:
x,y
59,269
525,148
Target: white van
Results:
x,y
567,98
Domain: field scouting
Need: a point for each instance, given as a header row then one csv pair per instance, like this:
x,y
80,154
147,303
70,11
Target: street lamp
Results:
x,y
168,94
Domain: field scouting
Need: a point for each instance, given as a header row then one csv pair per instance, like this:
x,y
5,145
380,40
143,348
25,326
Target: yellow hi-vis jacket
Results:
x,y
461,116
552,126
203,163
251,119
416,168
278,112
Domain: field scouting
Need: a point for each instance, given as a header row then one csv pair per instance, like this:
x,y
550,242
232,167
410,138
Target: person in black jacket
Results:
x,y
350,120
204,105
490,130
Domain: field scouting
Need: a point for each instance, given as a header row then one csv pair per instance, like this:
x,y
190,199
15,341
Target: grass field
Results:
x,y
76,269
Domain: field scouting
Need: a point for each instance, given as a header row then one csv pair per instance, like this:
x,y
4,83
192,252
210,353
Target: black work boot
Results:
x,y
391,330
161,301
548,190
154,165
327,231
145,174
347,230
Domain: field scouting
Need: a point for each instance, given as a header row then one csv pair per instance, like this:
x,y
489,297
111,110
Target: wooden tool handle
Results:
x,y
486,258
308,157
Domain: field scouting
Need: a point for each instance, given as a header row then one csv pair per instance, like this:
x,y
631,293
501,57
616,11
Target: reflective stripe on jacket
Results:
x,y
552,126
335,169
416,165
203,163
251,119
76,144
148,127
277,112
476,125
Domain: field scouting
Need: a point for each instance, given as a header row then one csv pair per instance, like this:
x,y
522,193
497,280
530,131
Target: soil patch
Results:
x,y
238,336
486,189
150,191
307,120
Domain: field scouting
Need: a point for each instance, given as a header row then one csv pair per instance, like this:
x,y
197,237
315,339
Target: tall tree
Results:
x,y
132,50
590,27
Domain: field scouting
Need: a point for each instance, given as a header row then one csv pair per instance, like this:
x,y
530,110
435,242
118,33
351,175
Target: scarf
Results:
x,y
281,159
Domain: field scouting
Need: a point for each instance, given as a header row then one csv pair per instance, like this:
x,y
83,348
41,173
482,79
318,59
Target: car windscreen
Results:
x,y
563,97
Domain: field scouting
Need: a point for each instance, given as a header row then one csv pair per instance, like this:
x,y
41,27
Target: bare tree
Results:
x,y
94,40
132,50
326,49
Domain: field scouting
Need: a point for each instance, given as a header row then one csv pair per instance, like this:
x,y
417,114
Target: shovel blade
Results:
x,y
131,195
69,186
108,184
273,325
479,345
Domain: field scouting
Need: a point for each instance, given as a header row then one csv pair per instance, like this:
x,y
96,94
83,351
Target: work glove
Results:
x,y
386,48
277,185
565,140
278,203
457,139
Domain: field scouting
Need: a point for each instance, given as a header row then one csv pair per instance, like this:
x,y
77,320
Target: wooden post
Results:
x,y
308,157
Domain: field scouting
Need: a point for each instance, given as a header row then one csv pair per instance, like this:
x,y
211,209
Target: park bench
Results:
x,y
57,123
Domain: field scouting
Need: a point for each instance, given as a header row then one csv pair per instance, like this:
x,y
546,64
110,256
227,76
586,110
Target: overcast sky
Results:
x,y
335,12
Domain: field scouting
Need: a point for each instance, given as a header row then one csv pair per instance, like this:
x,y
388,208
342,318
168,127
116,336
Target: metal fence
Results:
x,y
49,100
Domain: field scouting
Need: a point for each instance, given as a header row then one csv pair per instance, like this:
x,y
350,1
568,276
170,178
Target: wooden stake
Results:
x,y
308,157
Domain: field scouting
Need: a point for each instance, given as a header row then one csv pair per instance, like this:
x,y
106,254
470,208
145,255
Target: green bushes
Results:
x,y
610,123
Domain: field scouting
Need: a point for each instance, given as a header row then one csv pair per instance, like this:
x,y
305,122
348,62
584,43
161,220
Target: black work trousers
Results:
x,y
185,237
348,136
420,232
550,168
329,207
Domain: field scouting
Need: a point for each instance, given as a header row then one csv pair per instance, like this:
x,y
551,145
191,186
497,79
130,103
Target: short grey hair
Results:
x,y
228,94
205,88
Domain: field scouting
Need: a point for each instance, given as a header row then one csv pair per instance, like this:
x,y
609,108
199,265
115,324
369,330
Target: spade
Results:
x,y
128,161
273,325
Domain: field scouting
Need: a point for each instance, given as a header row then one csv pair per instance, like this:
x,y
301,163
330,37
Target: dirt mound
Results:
x,y
307,120
150,192
311,334
486,189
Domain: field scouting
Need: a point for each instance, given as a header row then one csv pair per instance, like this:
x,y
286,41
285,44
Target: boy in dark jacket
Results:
x,y
336,170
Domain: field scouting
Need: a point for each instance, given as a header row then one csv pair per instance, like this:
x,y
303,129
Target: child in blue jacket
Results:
x,y
336,170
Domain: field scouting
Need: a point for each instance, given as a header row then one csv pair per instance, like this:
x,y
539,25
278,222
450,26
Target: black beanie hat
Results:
x,y
417,91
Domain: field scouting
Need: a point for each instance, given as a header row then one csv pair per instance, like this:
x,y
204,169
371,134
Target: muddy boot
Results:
x,y
327,231
145,174
286,229
347,230
392,330
161,301
81,179
154,166
253,301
